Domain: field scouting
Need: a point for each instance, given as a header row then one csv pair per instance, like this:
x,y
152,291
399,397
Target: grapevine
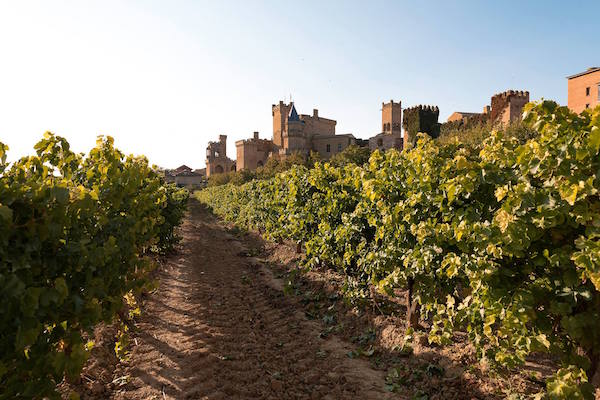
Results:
x,y
499,239
76,235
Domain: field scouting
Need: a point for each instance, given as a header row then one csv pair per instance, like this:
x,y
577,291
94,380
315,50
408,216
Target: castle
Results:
x,y
302,134
295,133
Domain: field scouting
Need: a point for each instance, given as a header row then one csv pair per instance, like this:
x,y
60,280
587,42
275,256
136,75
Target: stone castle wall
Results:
x,y
253,153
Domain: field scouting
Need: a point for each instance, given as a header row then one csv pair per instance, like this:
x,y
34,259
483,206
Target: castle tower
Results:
x,y
422,119
507,107
216,157
280,114
294,139
391,117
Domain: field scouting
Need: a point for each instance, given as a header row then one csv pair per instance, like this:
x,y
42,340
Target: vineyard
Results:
x,y
500,240
79,236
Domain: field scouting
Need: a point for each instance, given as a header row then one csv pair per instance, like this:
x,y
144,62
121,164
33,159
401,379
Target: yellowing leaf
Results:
x,y
451,192
543,340
503,219
569,193
594,138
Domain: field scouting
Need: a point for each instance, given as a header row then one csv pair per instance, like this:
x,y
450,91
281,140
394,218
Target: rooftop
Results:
x,y
588,71
293,114
466,113
183,168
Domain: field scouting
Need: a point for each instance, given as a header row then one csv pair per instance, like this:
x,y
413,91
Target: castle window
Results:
x,y
329,148
339,147
587,105
379,142
587,91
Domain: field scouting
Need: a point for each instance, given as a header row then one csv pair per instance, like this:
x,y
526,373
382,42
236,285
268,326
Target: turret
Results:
x,y
508,106
391,117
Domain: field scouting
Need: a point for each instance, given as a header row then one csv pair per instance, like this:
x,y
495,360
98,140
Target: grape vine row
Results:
x,y
77,234
500,239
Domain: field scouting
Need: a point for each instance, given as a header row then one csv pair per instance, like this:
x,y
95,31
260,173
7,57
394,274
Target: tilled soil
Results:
x,y
220,327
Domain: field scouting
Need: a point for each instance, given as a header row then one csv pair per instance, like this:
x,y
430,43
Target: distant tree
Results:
x,y
352,154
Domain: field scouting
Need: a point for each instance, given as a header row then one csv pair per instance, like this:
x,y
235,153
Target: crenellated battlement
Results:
x,y
508,106
422,107
513,93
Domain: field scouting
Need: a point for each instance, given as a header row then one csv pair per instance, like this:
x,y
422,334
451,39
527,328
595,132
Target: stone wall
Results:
x,y
253,153
386,141
335,144
315,125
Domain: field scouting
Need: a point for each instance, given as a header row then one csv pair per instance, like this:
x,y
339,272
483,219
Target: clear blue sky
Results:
x,y
165,77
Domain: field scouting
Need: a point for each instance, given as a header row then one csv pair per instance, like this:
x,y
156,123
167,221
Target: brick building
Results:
x,y
583,90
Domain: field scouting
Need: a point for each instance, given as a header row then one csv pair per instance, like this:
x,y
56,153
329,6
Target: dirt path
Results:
x,y
220,327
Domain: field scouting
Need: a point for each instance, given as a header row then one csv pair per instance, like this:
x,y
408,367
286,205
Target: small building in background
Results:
x,y
583,90
184,176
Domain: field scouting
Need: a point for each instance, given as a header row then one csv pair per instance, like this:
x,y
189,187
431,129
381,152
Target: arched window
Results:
x,y
219,169
379,142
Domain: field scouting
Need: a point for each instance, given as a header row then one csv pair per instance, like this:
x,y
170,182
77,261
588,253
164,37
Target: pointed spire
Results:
x,y
293,116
